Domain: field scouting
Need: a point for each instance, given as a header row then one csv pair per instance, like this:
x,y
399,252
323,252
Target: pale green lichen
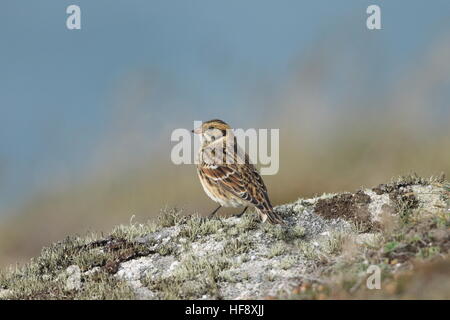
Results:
x,y
207,258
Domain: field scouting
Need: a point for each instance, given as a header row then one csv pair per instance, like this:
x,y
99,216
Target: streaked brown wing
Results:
x,y
242,180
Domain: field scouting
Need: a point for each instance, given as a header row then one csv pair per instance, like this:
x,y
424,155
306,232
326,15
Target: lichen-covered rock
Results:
x,y
73,281
327,242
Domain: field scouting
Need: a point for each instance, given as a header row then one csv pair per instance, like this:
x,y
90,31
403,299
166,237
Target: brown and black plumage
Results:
x,y
226,174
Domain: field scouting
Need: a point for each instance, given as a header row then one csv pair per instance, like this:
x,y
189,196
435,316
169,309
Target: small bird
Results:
x,y
226,174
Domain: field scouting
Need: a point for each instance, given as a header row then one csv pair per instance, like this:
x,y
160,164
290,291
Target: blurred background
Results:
x,y
86,115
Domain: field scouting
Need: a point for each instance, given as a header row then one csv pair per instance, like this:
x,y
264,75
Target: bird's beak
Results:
x,y
197,131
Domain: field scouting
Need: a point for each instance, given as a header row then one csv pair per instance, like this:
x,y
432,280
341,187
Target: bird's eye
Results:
x,y
210,128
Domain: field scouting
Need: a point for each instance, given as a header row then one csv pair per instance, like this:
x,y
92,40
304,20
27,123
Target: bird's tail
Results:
x,y
270,215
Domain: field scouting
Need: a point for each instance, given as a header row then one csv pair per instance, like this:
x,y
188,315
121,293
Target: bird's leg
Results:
x,y
214,212
240,214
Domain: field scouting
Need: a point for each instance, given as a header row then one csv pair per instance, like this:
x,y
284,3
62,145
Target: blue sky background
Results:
x,y
59,88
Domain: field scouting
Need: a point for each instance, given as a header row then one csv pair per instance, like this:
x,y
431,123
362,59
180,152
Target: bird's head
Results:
x,y
212,130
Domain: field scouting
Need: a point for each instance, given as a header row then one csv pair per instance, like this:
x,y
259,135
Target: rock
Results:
x,y
240,258
73,281
5,293
255,261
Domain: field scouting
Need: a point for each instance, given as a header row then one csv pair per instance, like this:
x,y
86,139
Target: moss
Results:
x,y
197,227
234,276
132,231
30,286
172,289
334,243
233,231
238,246
193,266
248,222
102,286
170,217
308,250
194,277
166,249
59,256
45,277
277,249
340,263
288,262
87,260
286,234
